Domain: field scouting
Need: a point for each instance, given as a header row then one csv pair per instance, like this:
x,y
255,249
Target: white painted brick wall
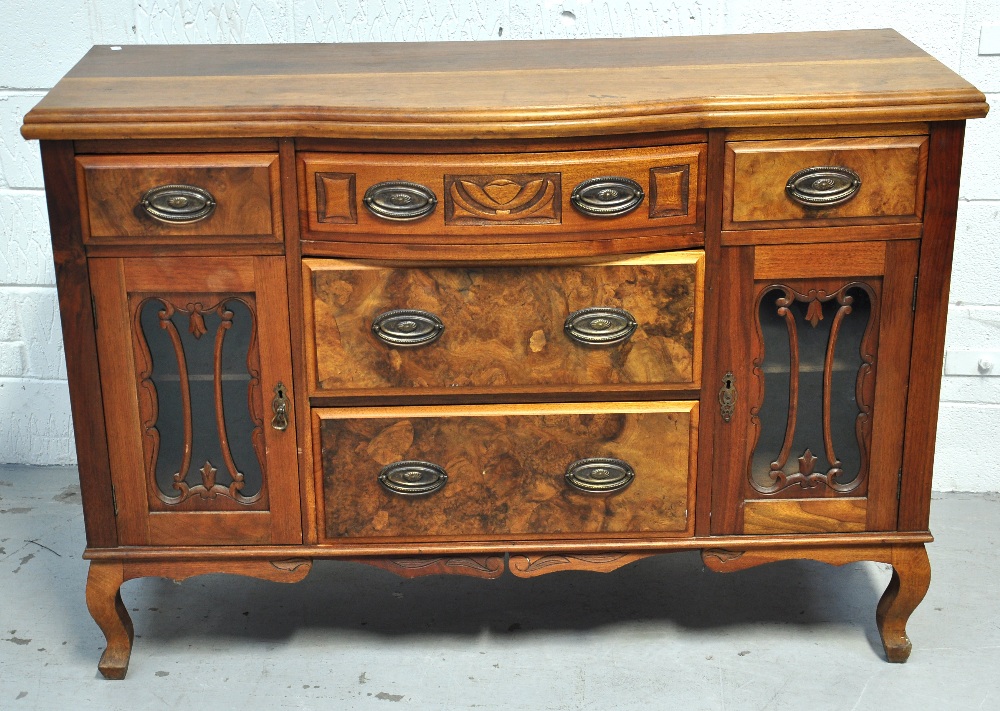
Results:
x,y
41,41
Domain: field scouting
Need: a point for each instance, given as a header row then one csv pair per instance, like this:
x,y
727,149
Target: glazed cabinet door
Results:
x,y
812,380
196,378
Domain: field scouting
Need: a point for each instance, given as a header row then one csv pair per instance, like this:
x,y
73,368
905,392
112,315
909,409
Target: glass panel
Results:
x,y
182,339
809,435
845,409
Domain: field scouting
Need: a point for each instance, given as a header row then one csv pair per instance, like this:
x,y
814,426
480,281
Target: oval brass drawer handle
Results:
x,y
412,478
177,204
600,326
823,186
399,200
607,196
407,327
599,475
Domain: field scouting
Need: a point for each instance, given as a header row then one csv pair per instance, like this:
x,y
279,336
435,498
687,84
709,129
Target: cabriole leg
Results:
x,y
911,576
104,600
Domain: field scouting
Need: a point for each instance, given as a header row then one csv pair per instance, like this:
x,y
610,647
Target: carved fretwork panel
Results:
x,y
200,401
812,389
531,198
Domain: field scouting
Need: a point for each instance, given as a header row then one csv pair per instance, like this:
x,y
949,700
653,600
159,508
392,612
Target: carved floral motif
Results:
x,y
532,198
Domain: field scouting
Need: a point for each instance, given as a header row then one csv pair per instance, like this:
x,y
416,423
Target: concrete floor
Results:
x,y
663,633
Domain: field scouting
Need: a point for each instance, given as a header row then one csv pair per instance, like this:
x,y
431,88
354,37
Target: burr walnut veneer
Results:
x,y
470,308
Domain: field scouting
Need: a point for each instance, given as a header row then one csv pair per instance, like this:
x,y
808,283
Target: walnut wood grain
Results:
x,y
80,341
736,302
892,172
104,601
296,323
504,326
929,323
790,261
486,567
144,517
408,547
909,583
473,90
501,144
911,576
502,132
530,565
769,133
891,386
714,368
506,466
119,146
805,515
245,188
277,570
506,250
857,233
484,198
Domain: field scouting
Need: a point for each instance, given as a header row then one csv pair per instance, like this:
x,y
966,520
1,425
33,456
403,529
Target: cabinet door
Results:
x,y
196,377
812,381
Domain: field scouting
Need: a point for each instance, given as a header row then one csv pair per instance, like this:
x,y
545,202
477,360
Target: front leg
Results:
x,y
911,576
104,600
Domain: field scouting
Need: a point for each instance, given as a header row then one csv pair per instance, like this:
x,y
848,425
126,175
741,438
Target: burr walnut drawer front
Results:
x,y
633,322
473,199
507,470
824,182
179,199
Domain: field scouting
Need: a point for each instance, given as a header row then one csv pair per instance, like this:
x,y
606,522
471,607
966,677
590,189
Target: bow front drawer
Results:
x,y
180,199
824,182
502,198
632,322
466,472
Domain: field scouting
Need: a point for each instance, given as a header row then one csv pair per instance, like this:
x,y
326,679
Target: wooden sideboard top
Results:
x,y
500,89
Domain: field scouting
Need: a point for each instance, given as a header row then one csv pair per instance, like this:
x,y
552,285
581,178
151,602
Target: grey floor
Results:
x,y
663,633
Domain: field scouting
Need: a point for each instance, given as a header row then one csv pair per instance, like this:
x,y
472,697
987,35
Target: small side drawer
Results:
x,y
824,182
177,199
633,321
464,472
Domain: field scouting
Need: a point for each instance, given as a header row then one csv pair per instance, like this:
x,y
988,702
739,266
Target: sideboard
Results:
x,y
527,306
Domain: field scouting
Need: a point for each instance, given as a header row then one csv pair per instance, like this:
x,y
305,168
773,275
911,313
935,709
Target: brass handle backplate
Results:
x,y
600,326
412,478
727,396
599,475
823,186
280,405
607,197
177,204
407,327
400,200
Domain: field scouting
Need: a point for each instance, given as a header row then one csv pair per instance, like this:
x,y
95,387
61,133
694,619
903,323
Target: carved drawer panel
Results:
x,y
634,322
824,182
177,199
514,197
496,471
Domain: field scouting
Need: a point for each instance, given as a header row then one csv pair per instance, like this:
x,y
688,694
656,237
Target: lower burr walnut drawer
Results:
x,y
504,470
633,321
824,182
178,199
